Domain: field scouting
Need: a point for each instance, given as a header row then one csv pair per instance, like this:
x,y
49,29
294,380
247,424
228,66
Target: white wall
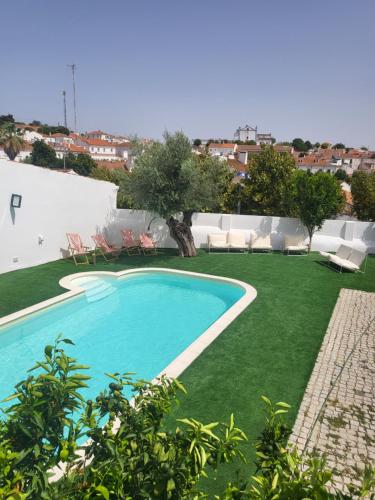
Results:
x,y
53,203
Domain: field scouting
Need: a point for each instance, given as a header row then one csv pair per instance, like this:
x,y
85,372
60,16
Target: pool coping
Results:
x,y
188,355
183,360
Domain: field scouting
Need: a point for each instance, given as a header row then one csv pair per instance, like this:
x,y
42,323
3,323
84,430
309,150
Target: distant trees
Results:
x,y
168,179
317,197
341,175
6,119
339,145
325,145
363,192
267,189
301,145
11,139
197,142
51,129
45,156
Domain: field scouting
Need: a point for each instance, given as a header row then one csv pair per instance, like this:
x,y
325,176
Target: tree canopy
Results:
x,y
363,191
11,139
267,188
317,197
169,179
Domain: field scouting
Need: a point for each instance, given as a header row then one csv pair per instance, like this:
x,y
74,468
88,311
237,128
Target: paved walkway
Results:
x,y
345,374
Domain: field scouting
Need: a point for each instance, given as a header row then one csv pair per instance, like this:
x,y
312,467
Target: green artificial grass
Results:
x,y
269,349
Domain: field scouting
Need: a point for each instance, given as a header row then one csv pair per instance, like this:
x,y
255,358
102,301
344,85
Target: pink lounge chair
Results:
x,y
77,248
105,249
147,245
130,244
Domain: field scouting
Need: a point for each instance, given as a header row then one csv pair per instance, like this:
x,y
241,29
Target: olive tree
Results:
x,y
363,191
317,197
169,179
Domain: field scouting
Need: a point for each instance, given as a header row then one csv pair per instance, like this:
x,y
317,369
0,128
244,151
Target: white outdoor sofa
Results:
x,y
295,243
227,240
261,242
346,258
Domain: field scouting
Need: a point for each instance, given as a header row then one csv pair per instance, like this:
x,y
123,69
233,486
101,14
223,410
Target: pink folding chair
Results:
x,y
105,249
147,245
130,244
77,248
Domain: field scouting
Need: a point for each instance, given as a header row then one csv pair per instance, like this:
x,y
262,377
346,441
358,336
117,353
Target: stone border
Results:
x,y
183,360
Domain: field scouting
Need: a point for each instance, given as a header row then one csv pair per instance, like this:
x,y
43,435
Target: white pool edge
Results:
x,y
183,360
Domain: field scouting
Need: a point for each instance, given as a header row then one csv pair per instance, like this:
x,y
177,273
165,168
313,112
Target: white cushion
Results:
x,y
344,252
296,248
294,240
262,242
343,263
236,240
357,257
218,240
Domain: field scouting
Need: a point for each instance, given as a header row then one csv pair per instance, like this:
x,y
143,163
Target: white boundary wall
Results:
x,y
333,233
54,203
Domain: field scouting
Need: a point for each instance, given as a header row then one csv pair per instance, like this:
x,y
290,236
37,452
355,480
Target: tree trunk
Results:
x,y
311,232
181,233
187,216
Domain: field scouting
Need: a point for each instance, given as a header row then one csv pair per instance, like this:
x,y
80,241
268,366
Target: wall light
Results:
x,y
15,201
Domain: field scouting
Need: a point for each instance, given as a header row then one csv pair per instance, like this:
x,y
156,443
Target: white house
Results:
x,y
216,149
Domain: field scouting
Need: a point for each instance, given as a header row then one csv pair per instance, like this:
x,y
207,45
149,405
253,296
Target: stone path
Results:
x,y
345,373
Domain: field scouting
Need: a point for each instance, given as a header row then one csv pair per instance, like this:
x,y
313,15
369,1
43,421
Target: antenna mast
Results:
x,y
64,98
73,68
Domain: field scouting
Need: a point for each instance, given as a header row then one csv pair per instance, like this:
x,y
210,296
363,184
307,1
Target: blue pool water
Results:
x,y
138,323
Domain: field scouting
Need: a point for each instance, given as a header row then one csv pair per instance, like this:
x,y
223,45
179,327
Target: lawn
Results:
x,y
269,349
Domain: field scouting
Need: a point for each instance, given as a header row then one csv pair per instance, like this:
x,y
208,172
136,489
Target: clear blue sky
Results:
x,y
292,67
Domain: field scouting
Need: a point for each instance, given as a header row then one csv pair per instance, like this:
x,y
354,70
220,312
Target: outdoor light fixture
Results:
x,y
15,201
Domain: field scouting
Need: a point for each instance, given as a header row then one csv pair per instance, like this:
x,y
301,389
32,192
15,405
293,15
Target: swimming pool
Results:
x,y
140,321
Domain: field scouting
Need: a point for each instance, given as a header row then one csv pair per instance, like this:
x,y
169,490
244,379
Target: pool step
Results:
x,y
97,289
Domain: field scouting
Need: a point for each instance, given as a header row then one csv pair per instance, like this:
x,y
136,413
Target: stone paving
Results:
x,y
344,374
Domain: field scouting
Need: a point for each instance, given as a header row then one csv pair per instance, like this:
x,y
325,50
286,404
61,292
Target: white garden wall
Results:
x,y
54,203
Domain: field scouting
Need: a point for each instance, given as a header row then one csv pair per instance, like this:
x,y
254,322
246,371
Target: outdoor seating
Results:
x,y
130,244
107,251
295,243
236,240
346,258
77,248
217,241
261,242
148,246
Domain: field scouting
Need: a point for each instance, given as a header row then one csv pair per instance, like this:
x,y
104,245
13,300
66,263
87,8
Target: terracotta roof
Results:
x,y
254,148
220,146
97,142
237,166
96,132
125,145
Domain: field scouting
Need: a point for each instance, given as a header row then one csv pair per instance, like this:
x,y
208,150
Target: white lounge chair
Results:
x,y
217,240
346,258
259,242
236,240
294,243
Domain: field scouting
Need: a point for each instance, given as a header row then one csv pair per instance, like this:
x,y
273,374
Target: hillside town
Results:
x,y
114,152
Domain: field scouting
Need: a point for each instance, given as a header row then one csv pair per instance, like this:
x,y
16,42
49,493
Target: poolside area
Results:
x,y
270,349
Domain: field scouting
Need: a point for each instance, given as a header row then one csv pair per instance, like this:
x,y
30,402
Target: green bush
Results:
x,y
130,454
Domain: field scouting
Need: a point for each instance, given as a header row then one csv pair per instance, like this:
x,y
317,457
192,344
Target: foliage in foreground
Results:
x,y
130,454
